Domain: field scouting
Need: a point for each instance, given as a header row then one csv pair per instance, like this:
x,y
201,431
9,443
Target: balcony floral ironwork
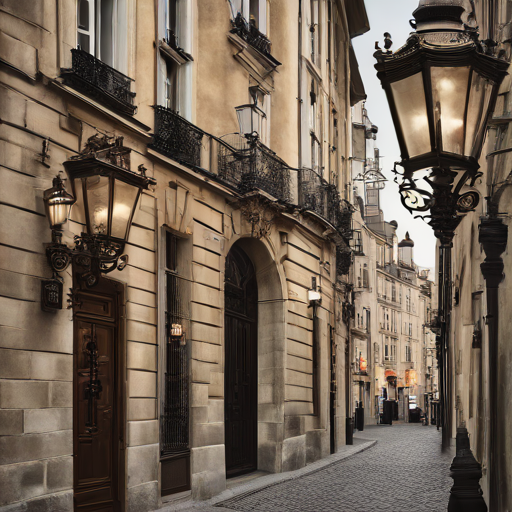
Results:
x,y
99,81
176,137
322,198
251,35
248,165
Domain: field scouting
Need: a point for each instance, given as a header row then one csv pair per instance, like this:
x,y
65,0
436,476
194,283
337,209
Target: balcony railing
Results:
x,y
322,198
99,81
176,137
250,34
249,165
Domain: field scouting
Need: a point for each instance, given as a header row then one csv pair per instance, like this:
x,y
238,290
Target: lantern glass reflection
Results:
x,y
98,198
124,203
409,98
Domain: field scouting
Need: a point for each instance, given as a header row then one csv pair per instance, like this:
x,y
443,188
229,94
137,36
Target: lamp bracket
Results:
x,y
95,254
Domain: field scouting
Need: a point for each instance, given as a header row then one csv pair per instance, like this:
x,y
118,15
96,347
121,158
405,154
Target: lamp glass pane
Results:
x,y
245,119
58,212
124,202
409,98
479,97
449,91
98,201
78,213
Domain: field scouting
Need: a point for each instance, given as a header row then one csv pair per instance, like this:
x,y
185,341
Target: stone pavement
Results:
x,y
401,469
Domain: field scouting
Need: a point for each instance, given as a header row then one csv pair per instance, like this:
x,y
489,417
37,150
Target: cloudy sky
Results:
x,y
393,17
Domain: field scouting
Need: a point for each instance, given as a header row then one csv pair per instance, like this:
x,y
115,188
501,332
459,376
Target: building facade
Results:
x,y
218,345
392,340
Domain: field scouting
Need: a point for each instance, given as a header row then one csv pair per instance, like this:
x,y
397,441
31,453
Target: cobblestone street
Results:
x,y
404,471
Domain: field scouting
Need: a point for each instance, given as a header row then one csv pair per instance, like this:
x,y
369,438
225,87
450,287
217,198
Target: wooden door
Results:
x,y
241,427
97,426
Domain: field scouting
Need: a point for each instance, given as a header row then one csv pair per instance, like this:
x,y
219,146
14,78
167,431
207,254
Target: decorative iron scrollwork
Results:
x,y
93,388
100,81
94,254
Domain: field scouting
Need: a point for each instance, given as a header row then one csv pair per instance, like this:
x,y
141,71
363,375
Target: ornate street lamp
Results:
x,y
107,192
441,87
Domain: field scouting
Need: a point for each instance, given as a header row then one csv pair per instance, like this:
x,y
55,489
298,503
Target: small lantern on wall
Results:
x,y
58,205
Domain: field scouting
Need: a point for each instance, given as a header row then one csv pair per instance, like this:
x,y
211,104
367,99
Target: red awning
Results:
x,y
389,373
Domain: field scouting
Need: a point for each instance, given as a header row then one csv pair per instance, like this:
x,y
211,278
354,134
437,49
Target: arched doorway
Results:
x,y
241,368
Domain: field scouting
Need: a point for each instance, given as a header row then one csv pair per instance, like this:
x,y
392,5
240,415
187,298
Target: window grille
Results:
x,y
175,406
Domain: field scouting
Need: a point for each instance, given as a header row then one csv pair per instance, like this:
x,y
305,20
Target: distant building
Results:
x,y
392,342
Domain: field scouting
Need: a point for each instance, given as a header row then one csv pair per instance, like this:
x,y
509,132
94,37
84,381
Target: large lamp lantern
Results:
x,y
106,191
441,87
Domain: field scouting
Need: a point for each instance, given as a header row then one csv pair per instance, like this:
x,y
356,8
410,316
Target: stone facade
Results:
x,y
207,62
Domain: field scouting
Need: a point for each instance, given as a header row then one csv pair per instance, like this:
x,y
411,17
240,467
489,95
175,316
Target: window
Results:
x,y
315,128
357,241
389,349
101,31
174,419
408,300
314,30
366,280
175,39
393,291
408,355
253,11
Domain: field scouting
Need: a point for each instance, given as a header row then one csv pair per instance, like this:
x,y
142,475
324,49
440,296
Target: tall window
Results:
x,y
175,38
174,420
408,354
101,30
389,349
315,127
314,30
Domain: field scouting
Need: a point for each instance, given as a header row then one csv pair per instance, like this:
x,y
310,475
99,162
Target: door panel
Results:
x,y
96,405
240,365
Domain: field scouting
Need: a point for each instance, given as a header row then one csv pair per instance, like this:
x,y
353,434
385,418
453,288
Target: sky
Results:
x,y
393,17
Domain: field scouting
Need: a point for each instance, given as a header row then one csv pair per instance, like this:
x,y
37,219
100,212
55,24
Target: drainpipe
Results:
x,y
493,236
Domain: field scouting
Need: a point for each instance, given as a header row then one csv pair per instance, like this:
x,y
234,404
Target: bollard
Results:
x,y
466,494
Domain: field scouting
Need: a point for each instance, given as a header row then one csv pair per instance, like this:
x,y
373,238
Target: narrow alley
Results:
x,y
397,468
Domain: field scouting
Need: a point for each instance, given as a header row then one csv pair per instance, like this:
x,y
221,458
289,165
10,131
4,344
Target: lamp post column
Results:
x,y
493,236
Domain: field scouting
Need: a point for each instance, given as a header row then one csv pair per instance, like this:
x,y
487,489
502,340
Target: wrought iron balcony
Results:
x,y
251,35
176,137
99,81
247,165
343,260
322,198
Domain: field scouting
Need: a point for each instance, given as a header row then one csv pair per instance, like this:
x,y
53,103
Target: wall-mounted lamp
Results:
x,y
107,191
314,296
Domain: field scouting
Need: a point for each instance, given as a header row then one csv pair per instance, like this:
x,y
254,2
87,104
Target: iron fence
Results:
x,y
175,407
176,137
100,81
248,165
250,34
322,198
